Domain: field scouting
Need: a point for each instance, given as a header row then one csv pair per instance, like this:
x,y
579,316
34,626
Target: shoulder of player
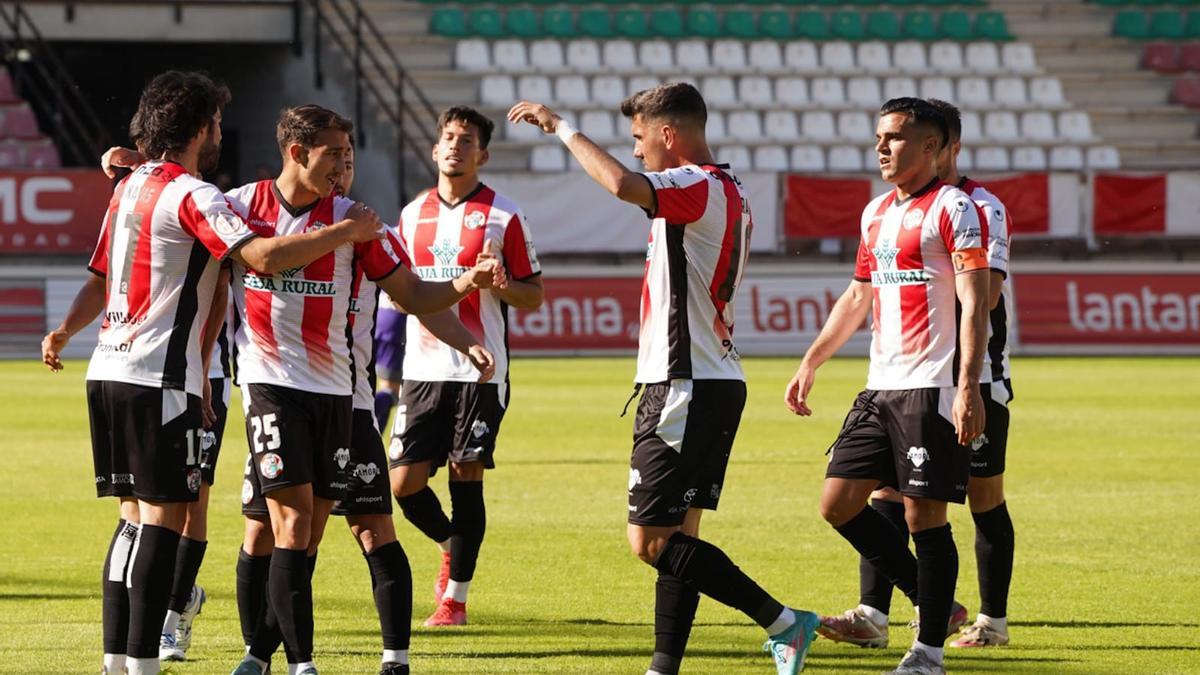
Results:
x,y
952,200
873,205
504,209
412,210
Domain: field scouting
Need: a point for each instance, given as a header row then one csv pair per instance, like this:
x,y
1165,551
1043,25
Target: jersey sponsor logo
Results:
x,y
446,252
918,456
980,441
288,286
439,273
912,219
885,256
366,472
480,429
635,478
342,457
114,348
475,220
271,465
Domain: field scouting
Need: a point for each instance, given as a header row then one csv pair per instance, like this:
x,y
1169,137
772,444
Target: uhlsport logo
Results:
x,y
918,456
342,457
271,465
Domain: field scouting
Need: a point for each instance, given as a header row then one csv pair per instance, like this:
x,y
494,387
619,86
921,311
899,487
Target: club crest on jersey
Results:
x,y
193,480
342,457
912,219
396,448
475,220
918,456
314,225
446,252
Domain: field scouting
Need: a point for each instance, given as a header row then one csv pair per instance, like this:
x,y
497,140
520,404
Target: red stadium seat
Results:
x,y
19,122
42,155
1163,58
8,93
11,155
1189,58
1187,91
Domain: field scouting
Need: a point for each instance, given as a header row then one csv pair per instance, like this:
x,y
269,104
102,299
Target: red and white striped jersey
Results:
x,y
160,246
996,365
364,300
699,242
295,331
444,240
909,252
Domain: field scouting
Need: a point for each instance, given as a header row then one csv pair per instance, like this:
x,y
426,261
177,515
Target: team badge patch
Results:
x,y
247,492
918,456
913,218
193,480
396,448
223,225
366,472
342,456
475,220
271,465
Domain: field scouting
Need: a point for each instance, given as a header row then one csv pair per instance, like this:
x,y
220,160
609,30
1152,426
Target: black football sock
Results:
x,y
149,589
876,539
423,510
707,569
252,574
391,583
875,590
290,589
937,574
187,567
268,635
115,604
994,544
674,612
467,527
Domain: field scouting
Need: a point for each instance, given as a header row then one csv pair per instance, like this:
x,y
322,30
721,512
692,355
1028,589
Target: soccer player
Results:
x,y
922,248
445,415
155,270
391,325
687,362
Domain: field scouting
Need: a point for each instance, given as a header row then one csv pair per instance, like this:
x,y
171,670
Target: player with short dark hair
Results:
x,y
445,415
695,389
922,250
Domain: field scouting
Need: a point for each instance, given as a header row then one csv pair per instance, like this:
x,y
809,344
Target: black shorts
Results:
x,y
902,439
146,441
211,445
989,450
440,421
682,438
369,491
298,437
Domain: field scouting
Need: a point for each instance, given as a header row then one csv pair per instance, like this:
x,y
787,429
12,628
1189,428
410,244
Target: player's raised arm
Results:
x,y
273,254
848,314
446,327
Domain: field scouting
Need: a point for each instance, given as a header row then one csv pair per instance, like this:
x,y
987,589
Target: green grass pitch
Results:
x,y
1104,465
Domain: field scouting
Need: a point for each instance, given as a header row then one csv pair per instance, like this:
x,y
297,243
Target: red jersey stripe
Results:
x,y
721,286
471,241
516,250
314,326
258,302
914,300
135,278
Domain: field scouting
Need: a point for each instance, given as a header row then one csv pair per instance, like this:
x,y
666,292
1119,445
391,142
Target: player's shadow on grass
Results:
x,y
1104,624
49,595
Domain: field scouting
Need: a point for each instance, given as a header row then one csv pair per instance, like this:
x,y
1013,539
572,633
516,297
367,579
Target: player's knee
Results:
x,y
372,531
195,525
925,514
887,494
837,512
985,494
643,545
258,540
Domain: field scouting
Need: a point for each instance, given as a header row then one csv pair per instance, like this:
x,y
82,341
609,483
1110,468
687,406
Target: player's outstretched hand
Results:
x,y
52,346
488,273
968,414
536,114
208,415
365,223
118,157
483,361
795,397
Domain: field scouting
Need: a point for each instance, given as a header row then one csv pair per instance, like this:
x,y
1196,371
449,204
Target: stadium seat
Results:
x,y
715,129
1186,91
729,55
740,24
1192,27
1029,158
736,156
744,125
770,158
656,56
776,25
1075,126
583,56
1162,58
845,159
631,23
1047,92
1103,158
808,159
12,155
642,82
781,125
1010,92
884,25
42,155
510,55
8,93
991,26
983,57
534,88
596,22
547,158
1189,57
817,125
864,92
874,57
1131,24
855,126
946,57
1018,57
991,159
449,22
608,91
801,57
1167,25
624,155
919,25
1001,126
896,87
974,92
667,22
812,25
523,133
838,57
966,160
766,56
1066,158
955,26
572,91
719,91
972,127
755,91
558,22
486,22
547,56
828,91
909,57
1037,125
598,125
692,56
470,55
497,90
703,23
937,87
792,91
523,22
620,56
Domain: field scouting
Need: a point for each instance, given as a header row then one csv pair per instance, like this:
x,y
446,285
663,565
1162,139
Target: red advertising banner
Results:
x,y
1066,310
1027,198
49,212
1133,205
824,207
580,314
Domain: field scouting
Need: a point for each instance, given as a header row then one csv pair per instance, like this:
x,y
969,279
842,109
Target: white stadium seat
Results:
x,y
1103,157
548,158
1010,92
895,87
770,158
755,91
991,159
497,90
534,88
838,57
598,125
718,91
870,159
547,56
1066,158
715,129
1001,126
855,126
909,57
472,55
972,128
1047,92
729,56
817,125
946,57
792,91
874,57
571,91
828,91
744,125
619,56
656,56
1029,158
1075,126
808,158
974,92
937,87
608,90
691,56
966,159
736,156
583,56
642,83
510,55
524,133
624,155
801,57
1037,125
983,57
847,159
864,92
766,56
781,125
1018,57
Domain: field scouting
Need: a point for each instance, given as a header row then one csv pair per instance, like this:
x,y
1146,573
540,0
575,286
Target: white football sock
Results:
x,y
934,653
294,668
171,623
444,545
143,666
873,615
784,621
1000,624
457,590
396,656
115,663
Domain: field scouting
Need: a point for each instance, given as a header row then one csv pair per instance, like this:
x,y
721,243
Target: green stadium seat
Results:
x,y
776,24
486,22
1193,24
522,22
449,22
667,22
702,23
955,26
848,25
1131,24
883,25
1167,24
992,26
812,25
558,22
631,23
595,22
739,23
919,26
